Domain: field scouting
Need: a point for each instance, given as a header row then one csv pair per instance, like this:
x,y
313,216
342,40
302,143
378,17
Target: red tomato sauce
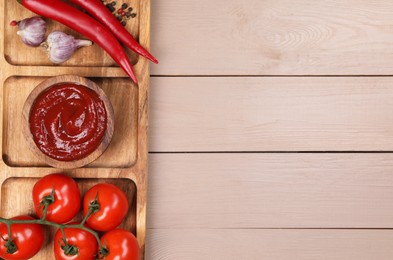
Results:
x,y
68,122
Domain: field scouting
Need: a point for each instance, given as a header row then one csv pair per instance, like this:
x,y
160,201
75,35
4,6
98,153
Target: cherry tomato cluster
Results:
x,y
57,200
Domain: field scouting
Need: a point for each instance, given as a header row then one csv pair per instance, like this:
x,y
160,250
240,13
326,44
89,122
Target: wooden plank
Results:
x,y
270,191
272,114
259,244
272,37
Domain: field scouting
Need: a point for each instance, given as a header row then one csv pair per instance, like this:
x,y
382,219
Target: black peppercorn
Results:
x,y
111,8
124,6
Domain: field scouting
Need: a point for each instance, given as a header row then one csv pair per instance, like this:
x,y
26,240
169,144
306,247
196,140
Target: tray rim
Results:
x,y
138,171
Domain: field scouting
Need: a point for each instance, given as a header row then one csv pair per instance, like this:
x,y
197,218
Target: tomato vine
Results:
x,y
68,249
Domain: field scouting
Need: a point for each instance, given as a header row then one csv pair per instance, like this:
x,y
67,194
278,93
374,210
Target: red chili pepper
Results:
x,y
83,24
99,11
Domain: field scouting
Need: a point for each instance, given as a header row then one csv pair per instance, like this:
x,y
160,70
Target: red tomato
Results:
x,y
28,238
83,240
121,245
67,198
113,206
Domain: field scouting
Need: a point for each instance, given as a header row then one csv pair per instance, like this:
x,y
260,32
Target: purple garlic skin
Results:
x,y
32,31
60,46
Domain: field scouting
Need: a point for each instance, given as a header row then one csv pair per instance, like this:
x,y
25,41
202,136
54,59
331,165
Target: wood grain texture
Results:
x,y
272,114
22,67
272,37
270,191
257,244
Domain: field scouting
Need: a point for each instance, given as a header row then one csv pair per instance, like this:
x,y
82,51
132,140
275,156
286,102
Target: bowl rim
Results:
x,y
64,79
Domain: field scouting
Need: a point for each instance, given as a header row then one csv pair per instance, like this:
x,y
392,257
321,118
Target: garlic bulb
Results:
x,y
60,46
32,31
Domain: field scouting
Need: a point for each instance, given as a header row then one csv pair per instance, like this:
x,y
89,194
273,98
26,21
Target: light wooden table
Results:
x,y
271,130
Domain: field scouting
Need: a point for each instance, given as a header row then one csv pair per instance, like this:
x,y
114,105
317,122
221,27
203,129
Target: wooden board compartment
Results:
x,y
124,163
15,203
15,50
122,151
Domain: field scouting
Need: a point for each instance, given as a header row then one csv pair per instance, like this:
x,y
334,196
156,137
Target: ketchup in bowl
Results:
x,y
68,121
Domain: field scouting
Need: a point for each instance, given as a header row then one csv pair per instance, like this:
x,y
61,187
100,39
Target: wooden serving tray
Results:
x,y
124,163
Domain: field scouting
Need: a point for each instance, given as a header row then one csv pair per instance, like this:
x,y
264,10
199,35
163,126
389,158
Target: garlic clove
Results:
x,y
32,31
61,46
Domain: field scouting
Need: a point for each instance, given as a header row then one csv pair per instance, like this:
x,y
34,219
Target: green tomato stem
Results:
x,y
45,210
88,230
45,222
87,216
9,231
64,235
46,201
10,244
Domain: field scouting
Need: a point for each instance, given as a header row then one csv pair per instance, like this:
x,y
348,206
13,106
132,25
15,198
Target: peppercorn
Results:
x,y
110,7
124,6
133,15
